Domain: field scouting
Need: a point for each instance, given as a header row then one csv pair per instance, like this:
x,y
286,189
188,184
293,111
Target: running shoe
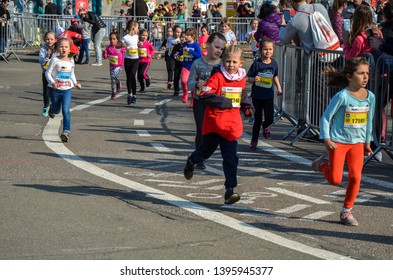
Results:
x,y
348,219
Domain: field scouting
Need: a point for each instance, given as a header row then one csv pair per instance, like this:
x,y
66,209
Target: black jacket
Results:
x,y
51,9
138,7
96,22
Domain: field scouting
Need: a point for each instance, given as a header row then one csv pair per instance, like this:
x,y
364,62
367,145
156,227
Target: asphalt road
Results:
x,y
116,190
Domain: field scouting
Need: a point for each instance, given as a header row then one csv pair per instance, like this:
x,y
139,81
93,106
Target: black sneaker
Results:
x,y
51,115
188,169
148,82
129,97
231,197
176,93
65,136
133,99
142,90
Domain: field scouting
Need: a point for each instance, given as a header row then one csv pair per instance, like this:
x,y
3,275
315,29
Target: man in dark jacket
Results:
x,y
138,9
98,32
51,9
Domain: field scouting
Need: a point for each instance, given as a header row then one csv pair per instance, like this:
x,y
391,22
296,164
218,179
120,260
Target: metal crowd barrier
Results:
x,y
6,35
29,29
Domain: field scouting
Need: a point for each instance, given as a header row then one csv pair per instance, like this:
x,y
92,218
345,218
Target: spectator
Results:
x,y
298,28
356,42
151,6
51,9
4,22
196,12
68,9
387,24
248,9
74,27
337,18
98,32
241,12
350,9
182,13
40,8
138,9
269,26
215,12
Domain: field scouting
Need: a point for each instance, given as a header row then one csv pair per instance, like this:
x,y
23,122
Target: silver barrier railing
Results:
x,y
382,87
6,35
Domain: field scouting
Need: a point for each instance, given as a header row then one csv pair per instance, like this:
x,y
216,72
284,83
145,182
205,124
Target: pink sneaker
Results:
x,y
253,146
266,132
316,164
348,219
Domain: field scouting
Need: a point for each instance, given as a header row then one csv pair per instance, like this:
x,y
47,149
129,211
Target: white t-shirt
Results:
x,y
131,42
61,72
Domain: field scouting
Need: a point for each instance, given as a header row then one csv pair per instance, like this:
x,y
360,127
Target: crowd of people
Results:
x,y
208,70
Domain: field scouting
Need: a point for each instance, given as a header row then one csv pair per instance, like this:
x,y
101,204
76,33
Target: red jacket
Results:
x,y
71,35
222,115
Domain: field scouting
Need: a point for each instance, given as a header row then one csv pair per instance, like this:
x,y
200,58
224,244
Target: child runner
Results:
x,y
131,59
44,57
251,39
346,129
190,52
115,53
178,63
200,72
263,74
172,40
222,124
225,28
202,40
146,52
61,79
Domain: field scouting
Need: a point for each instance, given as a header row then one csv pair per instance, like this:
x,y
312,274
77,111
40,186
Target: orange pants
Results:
x,y
333,171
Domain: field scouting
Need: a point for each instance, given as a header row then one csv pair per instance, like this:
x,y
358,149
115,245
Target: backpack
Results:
x,y
323,35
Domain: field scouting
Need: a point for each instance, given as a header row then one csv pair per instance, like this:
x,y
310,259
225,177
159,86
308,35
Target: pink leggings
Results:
x,y
185,73
333,171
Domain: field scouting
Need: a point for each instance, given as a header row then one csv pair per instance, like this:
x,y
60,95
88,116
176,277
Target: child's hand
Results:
x,y
200,83
48,52
78,86
55,85
279,92
330,145
367,150
257,78
140,44
149,55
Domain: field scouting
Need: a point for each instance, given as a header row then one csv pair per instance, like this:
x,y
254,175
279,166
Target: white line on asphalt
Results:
x,y
143,133
146,111
297,159
164,181
51,138
178,186
160,147
299,196
205,182
139,122
293,208
162,102
316,215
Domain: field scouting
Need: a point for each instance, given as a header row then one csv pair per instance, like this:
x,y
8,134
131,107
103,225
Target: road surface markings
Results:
x,y
292,209
206,182
139,122
162,102
143,133
146,111
316,215
361,198
299,196
160,147
51,138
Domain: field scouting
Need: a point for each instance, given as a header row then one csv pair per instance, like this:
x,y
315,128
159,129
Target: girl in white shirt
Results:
x,y
61,79
131,59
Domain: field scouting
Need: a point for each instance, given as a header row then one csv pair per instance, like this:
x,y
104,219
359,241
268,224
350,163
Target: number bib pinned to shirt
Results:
x,y
265,80
133,52
113,59
233,93
142,52
356,117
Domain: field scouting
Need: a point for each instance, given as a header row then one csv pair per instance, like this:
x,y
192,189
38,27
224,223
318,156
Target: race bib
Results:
x,y
63,76
45,65
233,93
142,52
113,59
356,117
132,51
265,80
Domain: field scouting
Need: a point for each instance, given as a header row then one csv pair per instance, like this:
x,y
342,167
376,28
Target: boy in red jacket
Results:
x,y
222,124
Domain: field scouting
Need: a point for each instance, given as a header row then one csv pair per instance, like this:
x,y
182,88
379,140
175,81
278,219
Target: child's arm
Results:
x,y
192,77
48,73
44,56
151,48
73,78
211,94
277,83
105,53
196,52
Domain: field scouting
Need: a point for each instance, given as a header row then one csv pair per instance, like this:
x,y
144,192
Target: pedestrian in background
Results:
x,y
346,128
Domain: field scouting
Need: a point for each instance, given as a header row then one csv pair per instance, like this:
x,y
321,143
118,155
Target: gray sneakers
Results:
x,y
348,219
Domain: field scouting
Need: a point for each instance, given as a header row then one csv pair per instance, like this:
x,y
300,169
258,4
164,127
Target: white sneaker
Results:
x,y
96,64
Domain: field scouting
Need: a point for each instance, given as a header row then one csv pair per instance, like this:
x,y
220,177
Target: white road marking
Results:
x,y
216,188
51,138
205,182
164,165
299,196
164,181
162,102
139,122
143,133
160,147
316,215
178,186
146,111
293,208
361,198
299,160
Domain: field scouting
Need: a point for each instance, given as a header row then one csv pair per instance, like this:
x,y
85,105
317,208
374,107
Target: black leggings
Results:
x,y
176,79
45,91
267,106
131,67
170,68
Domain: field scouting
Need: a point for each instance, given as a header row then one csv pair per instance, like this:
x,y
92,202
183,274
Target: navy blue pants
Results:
x,y
230,162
